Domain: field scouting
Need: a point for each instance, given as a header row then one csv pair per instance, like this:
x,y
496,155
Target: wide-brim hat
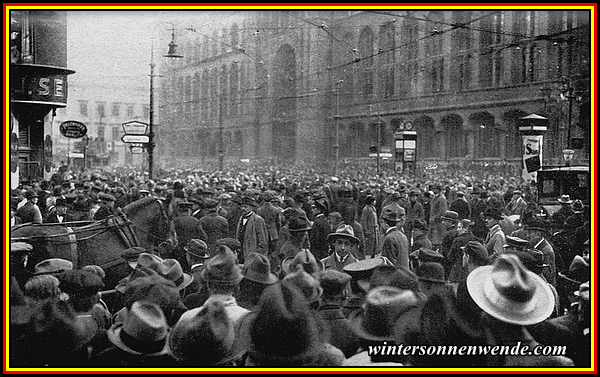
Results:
x,y
222,268
390,214
425,255
305,282
210,333
153,288
197,248
509,292
578,272
257,268
565,199
382,308
343,231
143,332
305,258
171,270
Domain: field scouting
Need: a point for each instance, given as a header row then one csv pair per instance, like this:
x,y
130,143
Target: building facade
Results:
x,y
38,87
291,85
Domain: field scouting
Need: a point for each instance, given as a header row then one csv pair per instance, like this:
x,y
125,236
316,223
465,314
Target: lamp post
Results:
x,y
170,54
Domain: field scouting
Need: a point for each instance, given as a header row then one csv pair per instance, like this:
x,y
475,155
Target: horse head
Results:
x,y
152,223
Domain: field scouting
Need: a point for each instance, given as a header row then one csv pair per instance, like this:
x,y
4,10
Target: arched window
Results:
x,y
235,38
387,53
456,141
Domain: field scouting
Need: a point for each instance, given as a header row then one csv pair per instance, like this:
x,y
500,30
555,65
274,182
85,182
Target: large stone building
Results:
x,y
294,84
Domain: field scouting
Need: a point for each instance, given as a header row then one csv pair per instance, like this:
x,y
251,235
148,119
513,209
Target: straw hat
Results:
x,y
511,293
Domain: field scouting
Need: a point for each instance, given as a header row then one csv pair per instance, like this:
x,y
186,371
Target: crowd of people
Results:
x,y
289,266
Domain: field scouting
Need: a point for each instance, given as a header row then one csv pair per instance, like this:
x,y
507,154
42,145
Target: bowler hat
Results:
x,y
510,293
382,308
343,231
450,215
52,266
143,332
197,248
305,258
257,268
431,272
565,199
222,268
333,282
210,333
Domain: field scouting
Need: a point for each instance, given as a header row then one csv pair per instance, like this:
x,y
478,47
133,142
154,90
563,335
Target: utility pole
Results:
x,y
336,146
221,151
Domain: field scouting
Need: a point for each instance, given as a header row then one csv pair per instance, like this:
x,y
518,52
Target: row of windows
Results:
x,y
116,109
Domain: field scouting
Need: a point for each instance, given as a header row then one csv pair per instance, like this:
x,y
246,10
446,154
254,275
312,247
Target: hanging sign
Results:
x,y
73,129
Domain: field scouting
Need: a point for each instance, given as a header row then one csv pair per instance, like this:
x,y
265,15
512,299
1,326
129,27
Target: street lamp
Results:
x,y
170,54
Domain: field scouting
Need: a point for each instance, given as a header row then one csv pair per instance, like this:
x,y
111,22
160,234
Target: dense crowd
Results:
x,y
288,266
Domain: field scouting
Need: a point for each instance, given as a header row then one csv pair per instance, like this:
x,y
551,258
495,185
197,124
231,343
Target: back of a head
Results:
x,y
42,287
284,331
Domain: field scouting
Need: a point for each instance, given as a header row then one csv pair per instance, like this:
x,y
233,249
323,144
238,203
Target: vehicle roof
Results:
x,y
566,168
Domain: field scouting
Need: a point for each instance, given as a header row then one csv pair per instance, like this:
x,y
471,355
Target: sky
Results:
x,y
112,43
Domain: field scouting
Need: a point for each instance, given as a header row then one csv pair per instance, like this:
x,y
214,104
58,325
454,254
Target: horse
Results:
x,y
145,223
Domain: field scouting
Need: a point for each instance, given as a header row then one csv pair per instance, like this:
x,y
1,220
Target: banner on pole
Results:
x,y
532,156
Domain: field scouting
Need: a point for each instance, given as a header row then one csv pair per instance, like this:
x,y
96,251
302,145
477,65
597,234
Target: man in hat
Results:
x,y
395,244
320,229
251,230
272,216
370,225
450,222
19,255
30,212
348,213
215,226
60,214
222,275
197,254
495,239
535,232
461,206
453,261
298,227
517,205
257,276
432,280
140,340
414,212
512,297
439,206
566,209
107,206
418,237
335,286
345,244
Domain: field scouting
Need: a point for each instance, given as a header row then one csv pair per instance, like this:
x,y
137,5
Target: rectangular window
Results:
x,y
83,108
101,132
115,133
129,111
101,110
115,109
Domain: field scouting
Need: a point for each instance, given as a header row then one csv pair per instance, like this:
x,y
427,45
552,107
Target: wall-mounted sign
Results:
x,y
135,139
73,129
135,128
34,86
136,150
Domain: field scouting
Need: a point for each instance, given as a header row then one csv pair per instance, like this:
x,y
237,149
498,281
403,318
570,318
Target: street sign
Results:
x,y
135,139
382,155
75,155
72,129
135,128
136,150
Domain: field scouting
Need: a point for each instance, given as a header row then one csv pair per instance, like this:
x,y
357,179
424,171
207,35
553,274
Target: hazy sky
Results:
x,y
112,43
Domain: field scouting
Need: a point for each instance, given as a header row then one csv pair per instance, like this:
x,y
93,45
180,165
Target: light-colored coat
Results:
x,y
255,236
437,230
